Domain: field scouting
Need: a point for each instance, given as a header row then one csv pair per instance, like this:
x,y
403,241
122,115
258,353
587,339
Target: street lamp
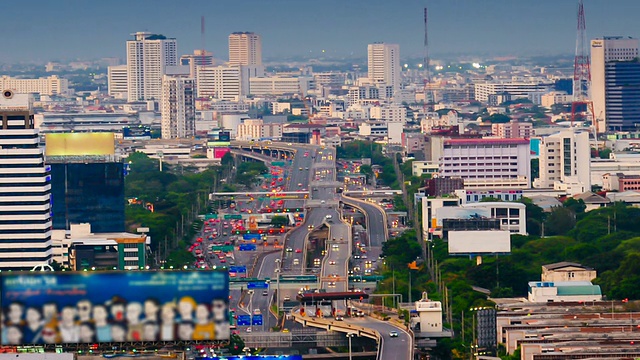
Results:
x,y
349,336
250,292
278,288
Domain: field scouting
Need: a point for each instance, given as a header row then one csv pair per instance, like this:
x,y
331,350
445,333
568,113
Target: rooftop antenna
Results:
x,y
582,72
426,62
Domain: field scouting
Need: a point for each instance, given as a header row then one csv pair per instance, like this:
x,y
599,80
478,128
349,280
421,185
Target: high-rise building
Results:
x,y
245,48
148,55
178,107
384,64
117,81
198,58
87,190
565,162
615,82
25,188
219,82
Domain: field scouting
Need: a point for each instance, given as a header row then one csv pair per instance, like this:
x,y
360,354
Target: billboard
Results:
x,y
136,133
79,144
479,242
90,307
219,152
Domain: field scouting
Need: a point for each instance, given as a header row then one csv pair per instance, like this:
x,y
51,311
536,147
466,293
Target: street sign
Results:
x,y
257,285
238,269
232,217
210,216
223,248
256,320
244,320
277,163
247,247
251,236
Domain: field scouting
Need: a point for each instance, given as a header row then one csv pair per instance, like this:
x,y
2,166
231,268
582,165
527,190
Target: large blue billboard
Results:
x,y
90,307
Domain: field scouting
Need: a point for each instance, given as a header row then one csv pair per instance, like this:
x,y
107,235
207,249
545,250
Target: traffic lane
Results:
x,y
392,347
376,227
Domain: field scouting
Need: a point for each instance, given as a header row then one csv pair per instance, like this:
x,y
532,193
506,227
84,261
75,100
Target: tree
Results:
x,y
279,221
560,221
604,153
577,206
498,119
535,168
401,250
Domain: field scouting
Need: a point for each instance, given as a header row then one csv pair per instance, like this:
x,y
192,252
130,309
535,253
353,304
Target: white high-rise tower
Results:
x,y
25,188
384,65
148,55
245,48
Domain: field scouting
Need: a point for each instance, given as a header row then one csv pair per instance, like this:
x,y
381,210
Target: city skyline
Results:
x,y
490,28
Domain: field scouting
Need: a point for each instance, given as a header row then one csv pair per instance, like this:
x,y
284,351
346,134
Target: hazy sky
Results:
x,y
43,30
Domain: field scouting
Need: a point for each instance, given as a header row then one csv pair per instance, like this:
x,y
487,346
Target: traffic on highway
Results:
x,y
293,233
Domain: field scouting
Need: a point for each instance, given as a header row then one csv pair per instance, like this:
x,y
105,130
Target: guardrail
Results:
x,y
332,325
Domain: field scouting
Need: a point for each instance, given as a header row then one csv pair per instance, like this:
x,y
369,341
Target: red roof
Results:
x,y
493,141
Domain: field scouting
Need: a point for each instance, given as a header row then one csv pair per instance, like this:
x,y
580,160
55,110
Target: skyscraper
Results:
x,y
245,48
384,64
195,60
178,107
25,187
148,55
615,82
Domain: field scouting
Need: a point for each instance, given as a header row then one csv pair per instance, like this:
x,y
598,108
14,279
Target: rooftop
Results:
x,y
564,264
484,141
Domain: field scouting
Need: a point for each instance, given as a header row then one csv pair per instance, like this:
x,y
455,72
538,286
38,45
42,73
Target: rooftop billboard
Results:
x,y
477,242
95,307
79,144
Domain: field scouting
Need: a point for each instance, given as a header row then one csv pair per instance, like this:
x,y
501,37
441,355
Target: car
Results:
x,y
285,330
331,285
339,318
306,168
298,251
322,202
299,184
287,298
265,293
328,216
289,249
300,169
248,329
393,334
257,312
332,262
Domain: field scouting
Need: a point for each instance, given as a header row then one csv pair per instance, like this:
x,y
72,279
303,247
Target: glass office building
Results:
x,y
88,193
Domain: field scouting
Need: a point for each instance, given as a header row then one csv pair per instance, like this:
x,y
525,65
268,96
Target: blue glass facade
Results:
x,y
88,193
622,81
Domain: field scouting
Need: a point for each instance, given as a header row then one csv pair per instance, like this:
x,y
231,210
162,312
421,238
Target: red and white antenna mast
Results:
x,y
582,74
426,62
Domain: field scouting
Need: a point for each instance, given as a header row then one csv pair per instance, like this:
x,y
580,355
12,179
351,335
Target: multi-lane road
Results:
x,y
313,170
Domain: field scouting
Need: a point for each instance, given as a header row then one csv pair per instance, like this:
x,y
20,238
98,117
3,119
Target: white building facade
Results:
x,y
488,163
218,82
52,85
117,81
25,188
148,55
384,64
245,48
565,162
515,89
256,129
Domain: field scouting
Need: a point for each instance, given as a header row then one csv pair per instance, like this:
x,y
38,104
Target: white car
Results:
x,y
393,334
328,216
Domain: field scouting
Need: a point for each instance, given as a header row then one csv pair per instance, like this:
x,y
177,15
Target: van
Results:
x,y
296,262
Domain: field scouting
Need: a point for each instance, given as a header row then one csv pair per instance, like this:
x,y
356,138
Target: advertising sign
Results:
x,y
136,133
89,307
219,152
244,320
79,144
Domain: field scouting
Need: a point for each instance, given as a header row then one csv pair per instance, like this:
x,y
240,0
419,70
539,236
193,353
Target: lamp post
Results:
x,y
250,292
349,336
278,287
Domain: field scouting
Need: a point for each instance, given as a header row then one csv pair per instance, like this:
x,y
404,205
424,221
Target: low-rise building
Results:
x,y
567,271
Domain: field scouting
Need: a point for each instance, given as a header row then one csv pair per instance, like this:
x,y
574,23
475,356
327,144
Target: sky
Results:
x,y
43,30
